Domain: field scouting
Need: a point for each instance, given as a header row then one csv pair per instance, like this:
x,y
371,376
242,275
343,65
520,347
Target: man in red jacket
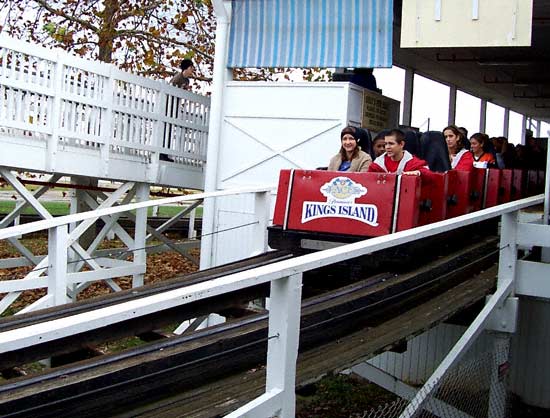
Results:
x,y
396,159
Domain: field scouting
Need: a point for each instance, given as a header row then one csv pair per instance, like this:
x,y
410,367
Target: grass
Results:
x,y
62,208
340,396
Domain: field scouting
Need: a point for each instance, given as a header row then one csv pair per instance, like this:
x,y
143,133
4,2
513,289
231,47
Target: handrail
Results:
x,y
285,279
70,103
40,333
92,214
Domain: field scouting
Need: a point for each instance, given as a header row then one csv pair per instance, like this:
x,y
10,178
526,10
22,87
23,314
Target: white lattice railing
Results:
x,y
61,100
285,278
52,272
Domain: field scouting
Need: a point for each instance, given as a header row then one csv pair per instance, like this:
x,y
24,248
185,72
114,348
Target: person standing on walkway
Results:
x,y
181,79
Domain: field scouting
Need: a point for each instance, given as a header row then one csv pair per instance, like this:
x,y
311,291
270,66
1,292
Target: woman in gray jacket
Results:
x,y
350,158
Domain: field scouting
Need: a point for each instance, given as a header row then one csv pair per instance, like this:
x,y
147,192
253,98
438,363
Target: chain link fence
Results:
x,y
475,387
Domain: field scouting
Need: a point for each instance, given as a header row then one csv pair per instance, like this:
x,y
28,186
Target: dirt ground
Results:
x,y
160,267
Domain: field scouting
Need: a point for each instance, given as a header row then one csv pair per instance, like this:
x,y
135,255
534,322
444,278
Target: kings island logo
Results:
x,y
341,193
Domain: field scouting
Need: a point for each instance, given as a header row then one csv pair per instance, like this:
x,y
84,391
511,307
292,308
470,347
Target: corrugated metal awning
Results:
x,y
311,33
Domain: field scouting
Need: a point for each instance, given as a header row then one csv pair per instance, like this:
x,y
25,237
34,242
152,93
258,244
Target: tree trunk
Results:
x,y
107,31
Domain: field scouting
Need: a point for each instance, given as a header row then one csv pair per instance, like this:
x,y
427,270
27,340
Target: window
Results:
x,y
494,123
468,108
514,127
392,83
430,107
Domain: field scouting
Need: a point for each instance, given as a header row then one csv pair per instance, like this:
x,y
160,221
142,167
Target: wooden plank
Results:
x,y
245,344
228,394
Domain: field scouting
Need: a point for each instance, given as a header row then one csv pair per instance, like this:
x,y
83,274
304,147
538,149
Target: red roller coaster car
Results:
x,y
316,205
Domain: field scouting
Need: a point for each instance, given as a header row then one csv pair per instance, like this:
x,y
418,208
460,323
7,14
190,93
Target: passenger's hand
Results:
x,y
411,173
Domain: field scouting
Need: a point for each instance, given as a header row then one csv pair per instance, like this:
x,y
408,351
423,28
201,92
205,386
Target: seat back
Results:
x,y
433,149
412,143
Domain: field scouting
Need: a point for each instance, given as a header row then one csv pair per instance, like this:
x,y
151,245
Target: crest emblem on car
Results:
x,y
341,193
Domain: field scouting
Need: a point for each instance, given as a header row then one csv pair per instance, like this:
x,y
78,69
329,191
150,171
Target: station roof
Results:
x,y
514,77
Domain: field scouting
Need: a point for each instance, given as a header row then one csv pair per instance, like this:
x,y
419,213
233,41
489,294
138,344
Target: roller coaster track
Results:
x,y
213,371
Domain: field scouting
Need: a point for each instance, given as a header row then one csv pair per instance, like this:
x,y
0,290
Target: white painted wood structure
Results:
x,y
63,281
285,279
68,116
85,121
266,127
255,133
76,117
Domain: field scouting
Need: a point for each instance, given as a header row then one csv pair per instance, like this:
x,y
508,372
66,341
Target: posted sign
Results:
x,y
379,112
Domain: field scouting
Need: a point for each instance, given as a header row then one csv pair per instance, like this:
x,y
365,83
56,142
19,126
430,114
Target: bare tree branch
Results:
x,y
157,38
66,16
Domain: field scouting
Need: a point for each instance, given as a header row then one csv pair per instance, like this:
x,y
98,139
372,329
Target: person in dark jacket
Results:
x,y
181,79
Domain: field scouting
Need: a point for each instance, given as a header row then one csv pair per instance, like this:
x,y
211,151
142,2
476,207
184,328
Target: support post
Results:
x,y
506,127
523,129
261,209
452,106
80,205
483,116
408,97
71,254
222,10
107,124
54,120
57,270
501,340
140,233
508,249
284,334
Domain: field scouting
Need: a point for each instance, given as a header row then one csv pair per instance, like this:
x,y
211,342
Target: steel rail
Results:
x,y
336,311
56,329
78,217
60,311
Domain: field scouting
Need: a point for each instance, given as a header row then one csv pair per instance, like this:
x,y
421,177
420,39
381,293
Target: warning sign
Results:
x,y
379,112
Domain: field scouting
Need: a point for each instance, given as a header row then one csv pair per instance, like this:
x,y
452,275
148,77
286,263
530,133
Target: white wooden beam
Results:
x,y
533,279
143,306
57,271
284,335
20,206
222,10
140,232
533,234
24,193
50,223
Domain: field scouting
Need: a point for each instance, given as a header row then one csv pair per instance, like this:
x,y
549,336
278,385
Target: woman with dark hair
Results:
x,y
350,158
478,145
396,159
460,157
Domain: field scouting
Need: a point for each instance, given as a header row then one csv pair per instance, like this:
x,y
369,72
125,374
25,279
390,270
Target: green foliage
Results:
x,y
55,208
62,208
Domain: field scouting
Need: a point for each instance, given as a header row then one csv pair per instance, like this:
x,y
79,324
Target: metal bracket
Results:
x,y
504,318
